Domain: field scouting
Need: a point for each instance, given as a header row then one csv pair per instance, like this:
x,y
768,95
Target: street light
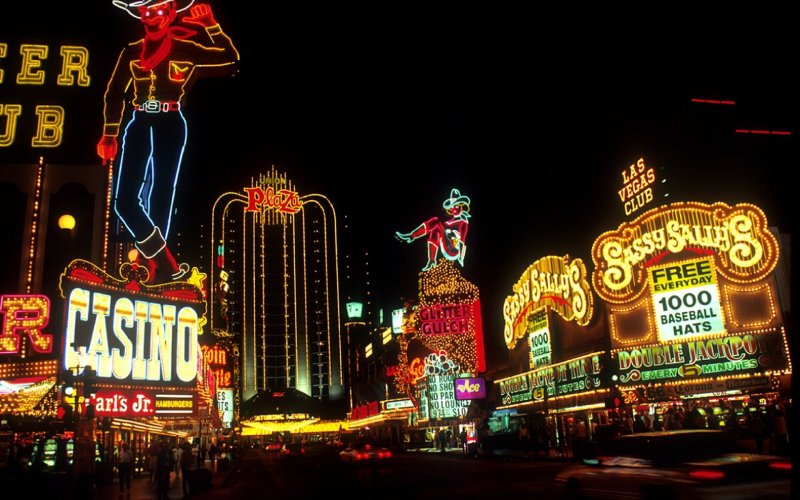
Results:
x,y
66,222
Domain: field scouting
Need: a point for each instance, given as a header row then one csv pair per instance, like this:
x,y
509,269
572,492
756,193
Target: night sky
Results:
x,y
386,109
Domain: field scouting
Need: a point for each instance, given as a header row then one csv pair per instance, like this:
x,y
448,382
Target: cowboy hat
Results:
x,y
132,7
456,198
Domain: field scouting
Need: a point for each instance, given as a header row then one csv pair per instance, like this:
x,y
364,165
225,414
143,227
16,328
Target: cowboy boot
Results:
x,y
149,248
166,268
161,264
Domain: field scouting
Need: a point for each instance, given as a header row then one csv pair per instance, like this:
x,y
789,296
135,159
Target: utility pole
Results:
x,y
83,456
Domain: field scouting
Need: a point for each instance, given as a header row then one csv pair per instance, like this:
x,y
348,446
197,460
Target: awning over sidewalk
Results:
x,y
28,396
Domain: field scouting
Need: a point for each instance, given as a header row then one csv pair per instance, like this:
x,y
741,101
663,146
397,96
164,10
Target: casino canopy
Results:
x,y
288,410
285,404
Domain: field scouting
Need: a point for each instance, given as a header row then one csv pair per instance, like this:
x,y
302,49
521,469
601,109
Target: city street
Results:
x,y
409,475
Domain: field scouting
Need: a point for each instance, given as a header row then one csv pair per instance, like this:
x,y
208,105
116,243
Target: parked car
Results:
x,y
365,454
684,464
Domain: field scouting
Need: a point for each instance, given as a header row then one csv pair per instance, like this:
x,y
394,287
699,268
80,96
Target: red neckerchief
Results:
x,y
158,44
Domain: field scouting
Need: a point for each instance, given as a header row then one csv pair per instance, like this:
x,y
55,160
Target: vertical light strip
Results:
x,y
255,285
306,319
251,233
295,254
285,306
263,298
37,205
335,262
247,332
107,215
327,296
327,287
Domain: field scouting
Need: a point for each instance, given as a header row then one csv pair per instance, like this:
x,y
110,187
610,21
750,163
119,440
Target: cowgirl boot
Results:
x,y
421,230
433,252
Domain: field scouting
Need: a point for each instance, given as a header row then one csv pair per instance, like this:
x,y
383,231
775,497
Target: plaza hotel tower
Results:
x,y
275,288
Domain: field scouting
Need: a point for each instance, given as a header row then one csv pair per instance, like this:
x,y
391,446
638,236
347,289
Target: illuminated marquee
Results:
x,y
637,182
449,316
397,320
397,404
440,319
686,300
143,336
267,194
737,237
216,358
541,346
364,411
438,400
175,405
50,118
470,388
703,358
124,404
25,315
225,405
553,282
564,379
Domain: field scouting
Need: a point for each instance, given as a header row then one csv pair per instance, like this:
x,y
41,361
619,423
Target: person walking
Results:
x,y
186,467
177,454
201,455
781,433
462,437
442,440
152,456
164,466
579,436
124,467
213,451
524,438
756,424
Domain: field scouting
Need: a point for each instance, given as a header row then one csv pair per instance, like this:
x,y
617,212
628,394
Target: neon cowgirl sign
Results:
x,y
446,239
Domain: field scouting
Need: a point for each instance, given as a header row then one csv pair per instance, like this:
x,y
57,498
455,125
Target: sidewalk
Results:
x,y
142,488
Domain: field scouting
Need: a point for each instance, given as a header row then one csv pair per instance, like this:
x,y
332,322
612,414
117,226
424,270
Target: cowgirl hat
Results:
x,y
456,198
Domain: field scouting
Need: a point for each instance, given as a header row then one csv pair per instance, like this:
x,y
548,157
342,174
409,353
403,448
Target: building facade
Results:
x,y
275,287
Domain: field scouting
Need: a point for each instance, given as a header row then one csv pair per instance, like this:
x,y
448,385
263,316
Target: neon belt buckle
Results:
x,y
152,106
